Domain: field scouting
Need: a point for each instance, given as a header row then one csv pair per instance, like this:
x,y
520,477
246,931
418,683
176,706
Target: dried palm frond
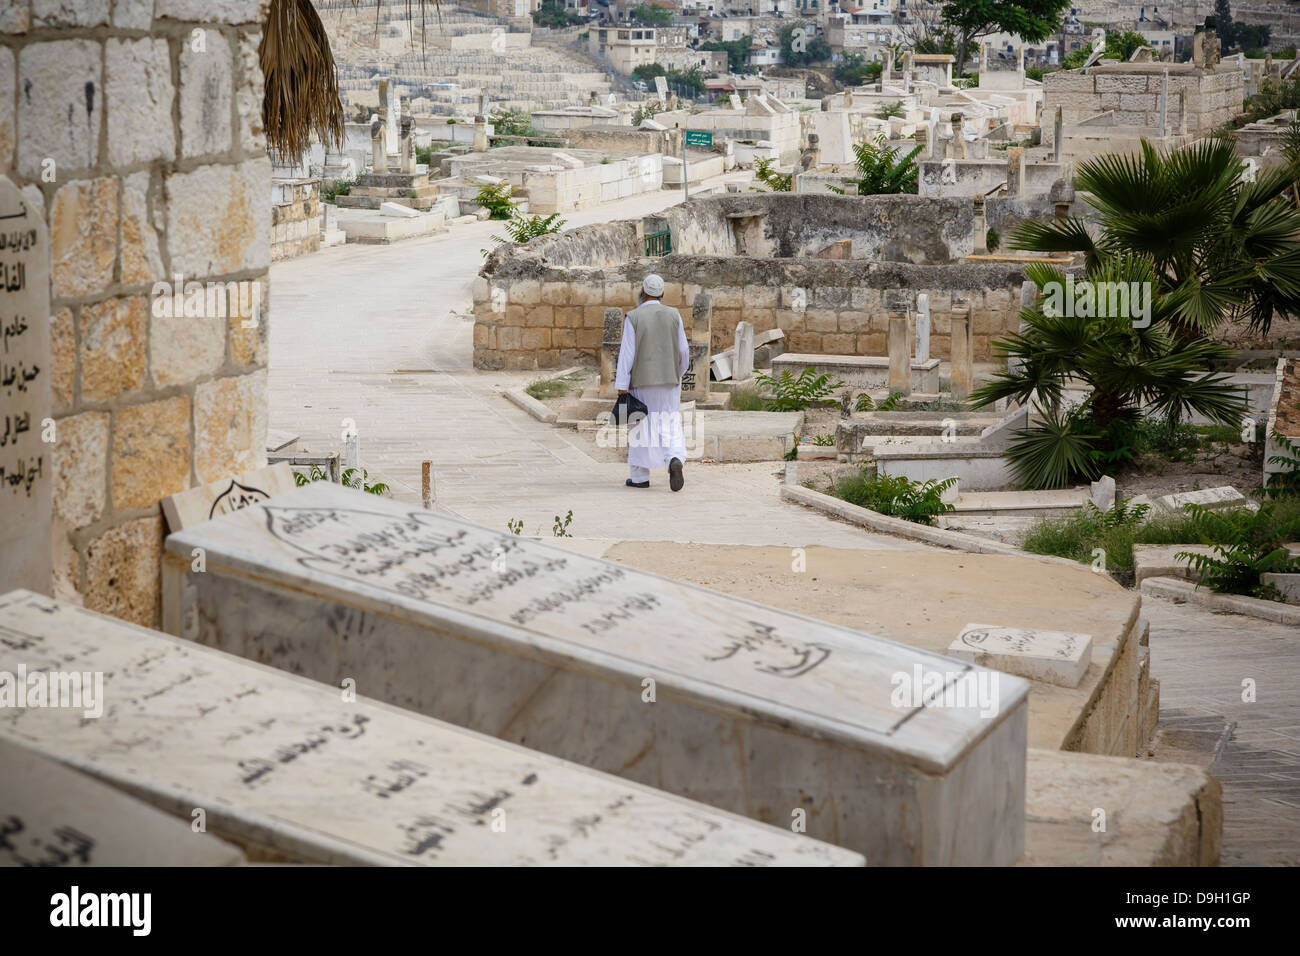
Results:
x,y
302,93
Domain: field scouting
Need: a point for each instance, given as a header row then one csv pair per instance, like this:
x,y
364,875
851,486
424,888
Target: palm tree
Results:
x,y
302,94
1128,367
1228,248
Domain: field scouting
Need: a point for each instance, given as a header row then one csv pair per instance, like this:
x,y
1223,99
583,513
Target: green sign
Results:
x,y
695,137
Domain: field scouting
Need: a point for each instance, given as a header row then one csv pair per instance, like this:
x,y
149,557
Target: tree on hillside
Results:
x,y
652,16
1032,20
799,47
1223,25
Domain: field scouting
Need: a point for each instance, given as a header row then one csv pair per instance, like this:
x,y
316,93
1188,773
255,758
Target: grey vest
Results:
x,y
655,326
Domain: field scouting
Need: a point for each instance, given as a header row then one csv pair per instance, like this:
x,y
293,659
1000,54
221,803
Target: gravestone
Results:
x,y
51,815
1028,299
922,327
695,381
205,502
406,146
1054,657
1214,499
311,773
714,698
898,303
610,343
744,361
26,465
378,149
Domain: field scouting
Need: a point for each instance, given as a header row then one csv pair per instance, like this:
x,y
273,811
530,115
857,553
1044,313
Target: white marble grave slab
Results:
x,y
754,710
289,765
1211,498
51,815
1056,657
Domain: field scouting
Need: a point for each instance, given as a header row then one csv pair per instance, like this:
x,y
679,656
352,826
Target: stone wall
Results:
x,y
136,129
296,218
529,315
1132,91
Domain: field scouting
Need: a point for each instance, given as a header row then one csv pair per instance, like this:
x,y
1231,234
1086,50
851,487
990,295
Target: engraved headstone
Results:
x,y
205,502
748,708
1054,657
26,466
309,773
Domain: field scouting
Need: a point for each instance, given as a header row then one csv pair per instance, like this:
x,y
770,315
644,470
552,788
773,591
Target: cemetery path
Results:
x,y
383,335
1201,660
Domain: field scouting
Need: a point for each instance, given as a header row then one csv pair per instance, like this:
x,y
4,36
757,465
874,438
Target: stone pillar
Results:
x,y
392,105
1058,132
898,304
743,363
378,150
958,136
984,59
848,99
610,343
962,351
1164,104
1020,60
922,353
695,384
480,134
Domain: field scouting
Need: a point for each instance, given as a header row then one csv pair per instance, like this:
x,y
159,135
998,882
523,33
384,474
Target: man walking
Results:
x,y
652,359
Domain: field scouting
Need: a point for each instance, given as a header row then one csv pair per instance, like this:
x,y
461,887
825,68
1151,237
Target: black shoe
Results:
x,y
675,477
637,484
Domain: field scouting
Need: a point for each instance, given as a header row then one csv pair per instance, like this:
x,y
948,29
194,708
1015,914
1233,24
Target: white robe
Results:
x,y
659,439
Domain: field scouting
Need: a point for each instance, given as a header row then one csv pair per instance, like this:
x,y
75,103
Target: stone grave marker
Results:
x,y
196,505
1214,499
744,352
742,706
51,815
26,465
922,327
296,768
1055,657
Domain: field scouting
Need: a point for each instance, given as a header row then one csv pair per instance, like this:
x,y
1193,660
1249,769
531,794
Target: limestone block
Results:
x,y
114,334
139,96
216,218
1055,657
212,11
137,237
83,236
122,571
81,468
133,14
151,452
206,92
63,359
184,348
248,333
249,87
69,13
15,18
204,502
230,425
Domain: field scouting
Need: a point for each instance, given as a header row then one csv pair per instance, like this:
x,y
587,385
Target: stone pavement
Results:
x,y
1201,660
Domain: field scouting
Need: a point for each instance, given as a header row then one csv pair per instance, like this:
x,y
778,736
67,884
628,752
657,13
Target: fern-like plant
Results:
x,y
880,172
795,393
1247,544
777,182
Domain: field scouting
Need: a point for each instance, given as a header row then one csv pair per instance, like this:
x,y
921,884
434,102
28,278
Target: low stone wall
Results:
x,y
295,218
532,315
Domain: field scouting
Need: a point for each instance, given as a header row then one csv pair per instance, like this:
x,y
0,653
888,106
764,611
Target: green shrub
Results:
x,y
544,388
332,189
795,393
495,198
776,182
900,497
1246,544
1115,532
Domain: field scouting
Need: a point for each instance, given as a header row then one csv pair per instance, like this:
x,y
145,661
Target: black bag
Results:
x,y
629,410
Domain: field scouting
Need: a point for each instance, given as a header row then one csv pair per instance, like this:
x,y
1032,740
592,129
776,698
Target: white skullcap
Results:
x,y
653,286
